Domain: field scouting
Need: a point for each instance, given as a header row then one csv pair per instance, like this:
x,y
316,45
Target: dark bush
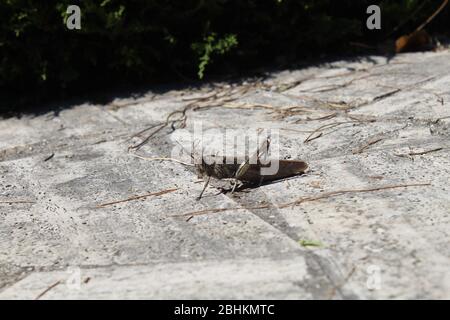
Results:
x,y
139,41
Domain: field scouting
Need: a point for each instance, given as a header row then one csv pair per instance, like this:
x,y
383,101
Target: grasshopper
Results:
x,y
247,170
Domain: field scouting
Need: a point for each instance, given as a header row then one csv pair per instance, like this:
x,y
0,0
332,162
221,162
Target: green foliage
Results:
x,y
310,243
212,45
132,42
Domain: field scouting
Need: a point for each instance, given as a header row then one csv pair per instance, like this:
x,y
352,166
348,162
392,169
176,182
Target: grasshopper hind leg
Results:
x,y
234,186
234,183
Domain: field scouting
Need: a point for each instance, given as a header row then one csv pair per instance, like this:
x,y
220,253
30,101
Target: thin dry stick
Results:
x,y
430,18
162,159
294,130
301,200
236,106
47,290
161,126
327,117
440,99
341,192
332,125
337,86
49,157
196,99
366,145
361,119
205,211
439,119
337,106
16,201
425,152
281,111
340,285
146,129
419,153
217,99
286,86
137,197
413,14
309,139
325,126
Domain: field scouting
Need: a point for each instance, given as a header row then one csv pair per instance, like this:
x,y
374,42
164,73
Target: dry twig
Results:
x,y
162,159
137,197
340,285
47,290
16,201
302,200
317,133
430,18
370,142
424,152
419,153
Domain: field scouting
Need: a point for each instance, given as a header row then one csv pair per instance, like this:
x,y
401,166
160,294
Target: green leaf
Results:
x,y
310,243
210,46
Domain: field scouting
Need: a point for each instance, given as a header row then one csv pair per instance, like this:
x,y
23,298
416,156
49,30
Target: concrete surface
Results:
x,y
370,122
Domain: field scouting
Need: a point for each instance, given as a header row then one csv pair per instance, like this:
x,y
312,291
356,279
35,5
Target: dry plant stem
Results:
x,y
303,199
419,153
146,129
439,119
16,201
338,86
221,100
341,192
367,145
49,157
332,125
327,117
201,98
425,152
340,285
47,290
148,137
437,95
137,197
310,138
325,126
361,119
294,130
430,18
204,187
162,159
161,126
282,112
413,14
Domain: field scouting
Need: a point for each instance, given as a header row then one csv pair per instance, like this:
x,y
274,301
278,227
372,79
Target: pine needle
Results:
x,y
302,200
136,197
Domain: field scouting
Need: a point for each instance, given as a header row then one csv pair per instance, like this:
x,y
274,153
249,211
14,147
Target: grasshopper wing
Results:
x,y
287,168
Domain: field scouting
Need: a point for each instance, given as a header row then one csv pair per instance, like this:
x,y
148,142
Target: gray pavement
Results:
x,y
360,125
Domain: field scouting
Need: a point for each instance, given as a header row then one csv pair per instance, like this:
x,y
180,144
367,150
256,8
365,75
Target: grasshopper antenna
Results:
x,y
162,159
189,153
